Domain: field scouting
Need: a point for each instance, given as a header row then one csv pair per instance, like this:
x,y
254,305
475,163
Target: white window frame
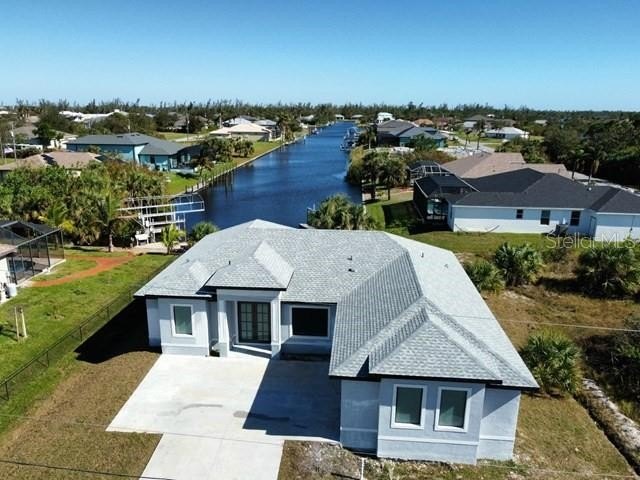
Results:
x,y
310,337
467,410
423,407
173,321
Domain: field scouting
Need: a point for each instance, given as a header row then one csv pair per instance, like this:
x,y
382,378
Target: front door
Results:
x,y
254,322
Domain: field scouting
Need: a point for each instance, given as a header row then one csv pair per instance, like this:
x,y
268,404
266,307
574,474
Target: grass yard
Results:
x,y
70,266
178,182
52,311
75,402
549,445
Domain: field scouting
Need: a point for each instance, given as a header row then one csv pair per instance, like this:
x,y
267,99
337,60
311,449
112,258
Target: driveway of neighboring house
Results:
x,y
227,418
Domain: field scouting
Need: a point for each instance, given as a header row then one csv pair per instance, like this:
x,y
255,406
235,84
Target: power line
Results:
x,y
21,463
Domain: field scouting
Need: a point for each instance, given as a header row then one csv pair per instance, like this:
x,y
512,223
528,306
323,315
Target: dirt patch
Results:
x,y
102,264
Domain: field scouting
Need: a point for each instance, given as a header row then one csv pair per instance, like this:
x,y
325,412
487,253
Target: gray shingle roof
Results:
x,y
403,308
152,145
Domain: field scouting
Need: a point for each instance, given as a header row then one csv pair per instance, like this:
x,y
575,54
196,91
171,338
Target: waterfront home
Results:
x,y
483,164
529,201
399,133
248,131
239,120
136,147
384,117
423,367
74,162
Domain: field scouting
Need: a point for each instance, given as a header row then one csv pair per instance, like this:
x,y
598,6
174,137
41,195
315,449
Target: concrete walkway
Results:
x,y
227,418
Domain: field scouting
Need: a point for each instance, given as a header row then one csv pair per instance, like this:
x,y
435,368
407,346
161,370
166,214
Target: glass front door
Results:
x,y
254,322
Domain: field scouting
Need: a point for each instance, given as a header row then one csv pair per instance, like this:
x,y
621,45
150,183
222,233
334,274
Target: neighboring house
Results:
x,y
339,117
27,249
399,133
483,164
424,122
270,125
75,162
384,117
425,370
239,120
136,147
528,201
487,120
249,131
89,119
432,195
506,133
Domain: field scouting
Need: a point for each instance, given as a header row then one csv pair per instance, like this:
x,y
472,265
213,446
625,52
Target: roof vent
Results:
x,y
422,254
350,257
352,270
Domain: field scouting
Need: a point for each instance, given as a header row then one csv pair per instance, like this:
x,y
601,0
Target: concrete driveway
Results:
x,y
227,418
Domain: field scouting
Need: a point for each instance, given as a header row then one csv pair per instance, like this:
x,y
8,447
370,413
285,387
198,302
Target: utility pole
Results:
x,y
13,136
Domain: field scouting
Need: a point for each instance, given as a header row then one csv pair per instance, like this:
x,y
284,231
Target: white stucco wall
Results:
x,y
359,415
499,422
5,277
195,344
617,227
498,219
427,442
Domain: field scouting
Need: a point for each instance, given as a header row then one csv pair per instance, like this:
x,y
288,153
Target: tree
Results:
x,y
393,173
171,236
201,230
609,270
519,264
562,145
625,356
108,215
338,212
553,360
485,275
371,169
45,134
368,137
421,143
57,216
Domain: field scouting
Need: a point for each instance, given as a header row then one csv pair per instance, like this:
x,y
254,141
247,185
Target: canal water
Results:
x,y
280,186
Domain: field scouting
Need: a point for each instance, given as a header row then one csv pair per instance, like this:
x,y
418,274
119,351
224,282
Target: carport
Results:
x,y
227,418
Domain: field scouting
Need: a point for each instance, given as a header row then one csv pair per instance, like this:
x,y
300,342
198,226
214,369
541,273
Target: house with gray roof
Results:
x,y
399,133
143,149
531,201
424,373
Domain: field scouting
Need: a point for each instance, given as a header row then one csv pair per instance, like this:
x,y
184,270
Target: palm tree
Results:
x,y
371,166
171,236
57,216
609,270
201,230
108,215
393,173
368,137
553,360
519,264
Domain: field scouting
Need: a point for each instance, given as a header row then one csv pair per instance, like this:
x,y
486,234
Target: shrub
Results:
x,y
625,357
201,230
609,270
484,275
519,264
556,254
553,360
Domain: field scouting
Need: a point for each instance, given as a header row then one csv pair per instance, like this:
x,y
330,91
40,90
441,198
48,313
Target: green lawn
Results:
x,y
52,311
178,182
71,265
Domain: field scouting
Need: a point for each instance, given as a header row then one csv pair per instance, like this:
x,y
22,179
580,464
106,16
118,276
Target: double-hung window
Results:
x,y
545,217
452,410
519,214
408,406
182,320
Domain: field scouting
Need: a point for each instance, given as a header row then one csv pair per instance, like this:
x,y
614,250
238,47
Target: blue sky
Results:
x,y
558,54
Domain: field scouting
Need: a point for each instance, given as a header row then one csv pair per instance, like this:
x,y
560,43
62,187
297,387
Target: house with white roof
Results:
x,y
249,131
506,133
423,373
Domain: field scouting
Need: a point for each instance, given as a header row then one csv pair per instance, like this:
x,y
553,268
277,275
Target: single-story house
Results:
x,y
424,122
249,131
506,133
528,201
75,162
27,249
483,164
383,117
424,369
399,133
239,120
136,147
489,121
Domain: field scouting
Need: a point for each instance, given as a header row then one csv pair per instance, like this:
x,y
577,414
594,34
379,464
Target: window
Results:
x,y
310,322
408,403
452,409
575,218
519,214
182,324
545,215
